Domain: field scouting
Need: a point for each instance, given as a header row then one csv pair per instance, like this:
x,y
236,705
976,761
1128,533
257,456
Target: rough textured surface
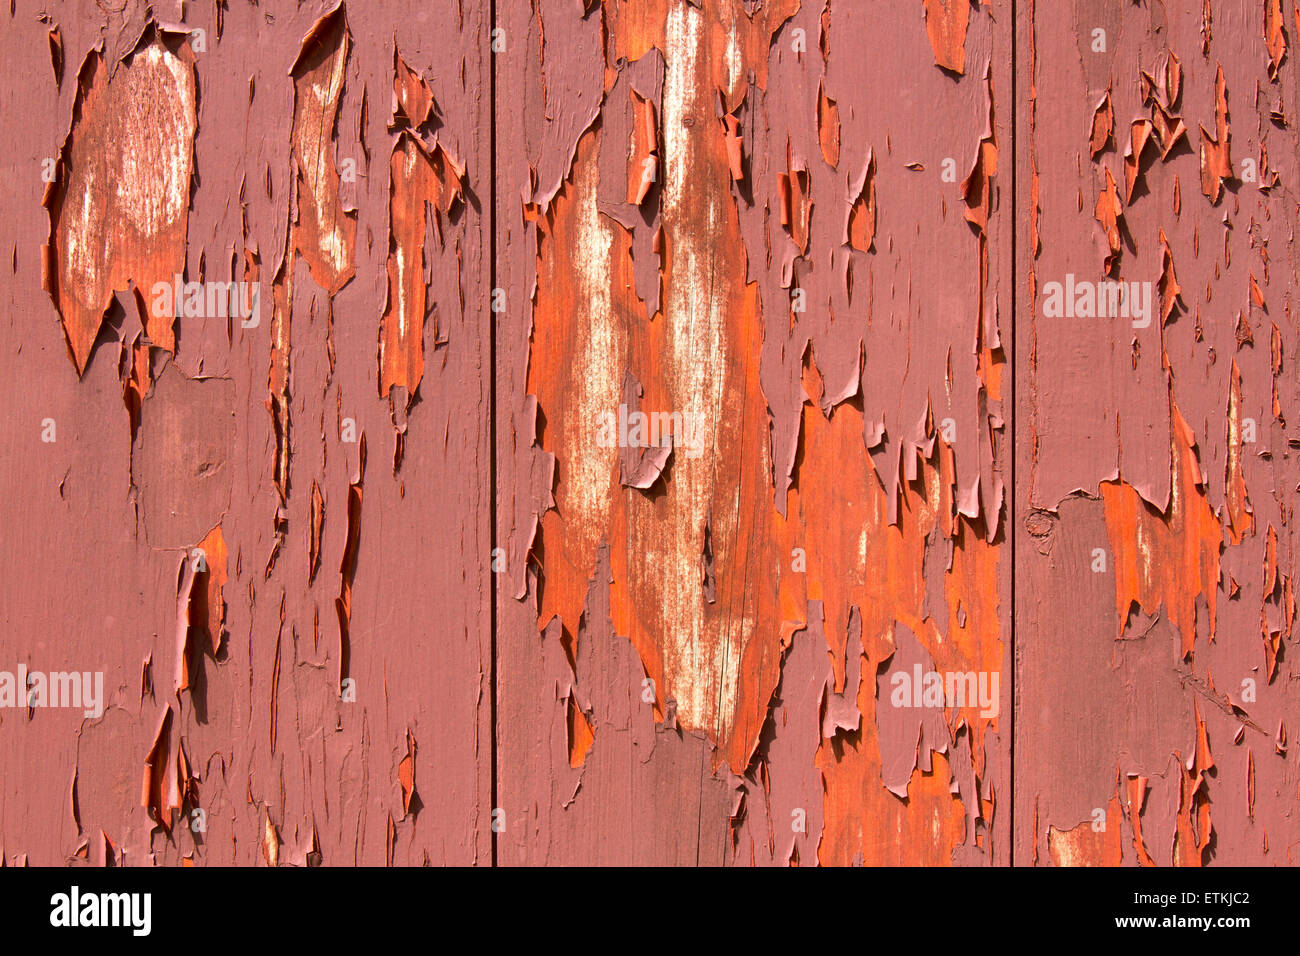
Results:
x,y
713,202
1156,473
650,431
319,685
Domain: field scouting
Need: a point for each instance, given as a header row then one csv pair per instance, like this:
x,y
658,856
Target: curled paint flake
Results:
x,y
413,104
271,840
643,163
1103,124
642,458
160,788
348,564
1109,212
406,774
426,184
314,530
828,127
1170,290
945,24
1169,130
1274,36
977,187
1241,519
732,138
1216,154
1139,135
860,227
796,200
56,54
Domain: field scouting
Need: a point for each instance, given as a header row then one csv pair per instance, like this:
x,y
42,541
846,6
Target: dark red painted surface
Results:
x,y
637,419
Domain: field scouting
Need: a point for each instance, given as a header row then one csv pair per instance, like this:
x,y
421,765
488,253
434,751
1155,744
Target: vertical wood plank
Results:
x,y
785,225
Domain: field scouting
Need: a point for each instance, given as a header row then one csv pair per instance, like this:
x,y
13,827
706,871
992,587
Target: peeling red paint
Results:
x,y
426,183
126,224
780,232
946,22
1155,495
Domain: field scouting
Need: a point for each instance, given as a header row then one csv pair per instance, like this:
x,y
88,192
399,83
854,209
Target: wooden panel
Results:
x,y
722,221
317,688
678,497
1156,473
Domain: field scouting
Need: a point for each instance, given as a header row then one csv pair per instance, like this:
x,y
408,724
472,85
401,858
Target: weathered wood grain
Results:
x,y
1156,474
649,431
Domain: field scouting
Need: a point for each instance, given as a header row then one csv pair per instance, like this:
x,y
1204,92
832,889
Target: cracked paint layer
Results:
x,y
243,723
1156,475
704,349
844,481
119,205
